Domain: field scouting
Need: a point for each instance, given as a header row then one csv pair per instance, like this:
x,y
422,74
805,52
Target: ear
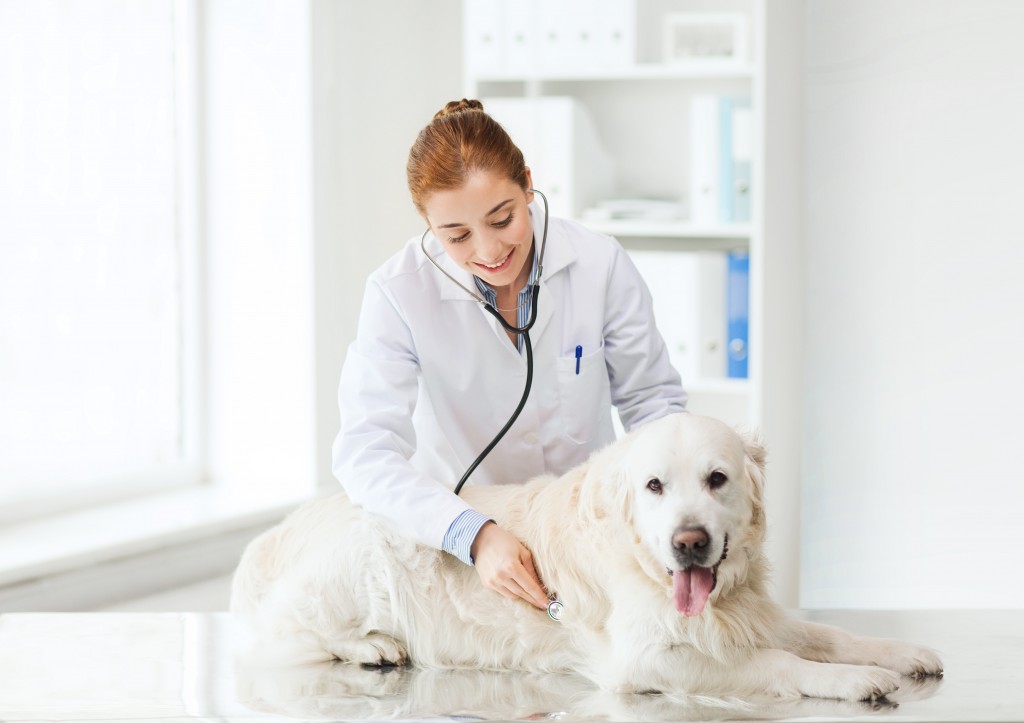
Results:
x,y
757,453
604,488
757,457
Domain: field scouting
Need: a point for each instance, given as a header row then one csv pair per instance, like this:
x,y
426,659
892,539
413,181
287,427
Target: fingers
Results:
x,y
506,566
531,586
522,583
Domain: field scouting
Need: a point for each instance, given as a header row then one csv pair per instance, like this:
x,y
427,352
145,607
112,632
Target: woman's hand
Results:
x,y
505,565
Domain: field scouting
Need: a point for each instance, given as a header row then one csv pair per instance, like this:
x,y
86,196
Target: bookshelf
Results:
x,y
638,108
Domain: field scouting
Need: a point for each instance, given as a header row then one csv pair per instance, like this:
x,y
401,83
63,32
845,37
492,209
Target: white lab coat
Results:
x,y
432,377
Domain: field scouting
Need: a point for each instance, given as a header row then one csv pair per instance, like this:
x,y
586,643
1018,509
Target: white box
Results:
x,y
711,39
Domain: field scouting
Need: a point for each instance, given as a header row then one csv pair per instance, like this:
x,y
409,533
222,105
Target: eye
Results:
x,y
505,222
458,239
716,479
654,485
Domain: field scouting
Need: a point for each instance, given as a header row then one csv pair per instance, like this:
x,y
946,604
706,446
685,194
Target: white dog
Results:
x,y
653,546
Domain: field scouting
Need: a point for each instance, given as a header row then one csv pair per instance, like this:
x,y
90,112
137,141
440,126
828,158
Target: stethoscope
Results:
x,y
555,606
523,331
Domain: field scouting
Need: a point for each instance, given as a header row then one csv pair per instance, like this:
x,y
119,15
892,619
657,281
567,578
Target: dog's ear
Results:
x,y
603,488
757,453
757,458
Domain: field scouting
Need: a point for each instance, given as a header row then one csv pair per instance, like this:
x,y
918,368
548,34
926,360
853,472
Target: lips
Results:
x,y
492,269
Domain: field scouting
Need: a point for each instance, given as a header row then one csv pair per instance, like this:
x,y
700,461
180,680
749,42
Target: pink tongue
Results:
x,y
690,589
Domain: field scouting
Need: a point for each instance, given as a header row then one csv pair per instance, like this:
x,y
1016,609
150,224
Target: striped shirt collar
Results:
x,y
524,301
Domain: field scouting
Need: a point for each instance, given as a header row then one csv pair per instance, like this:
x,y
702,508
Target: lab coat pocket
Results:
x,y
584,394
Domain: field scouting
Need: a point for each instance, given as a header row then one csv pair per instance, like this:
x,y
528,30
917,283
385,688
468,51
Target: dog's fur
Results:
x,y
621,540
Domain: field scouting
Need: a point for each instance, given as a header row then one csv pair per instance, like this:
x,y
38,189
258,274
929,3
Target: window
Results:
x,y
94,391
156,255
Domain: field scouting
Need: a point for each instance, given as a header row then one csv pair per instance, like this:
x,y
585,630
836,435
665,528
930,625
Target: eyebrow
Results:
x,y
489,213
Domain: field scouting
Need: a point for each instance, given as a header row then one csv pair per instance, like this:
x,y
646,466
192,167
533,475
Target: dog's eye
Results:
x,y
654,485
716,479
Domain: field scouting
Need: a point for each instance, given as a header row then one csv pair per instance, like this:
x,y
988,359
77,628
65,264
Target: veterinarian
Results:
x,y
432,377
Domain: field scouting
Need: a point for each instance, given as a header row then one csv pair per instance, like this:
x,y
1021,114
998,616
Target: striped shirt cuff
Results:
x,y
458,540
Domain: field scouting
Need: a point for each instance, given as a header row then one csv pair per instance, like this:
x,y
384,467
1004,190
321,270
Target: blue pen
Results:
x,y
579,353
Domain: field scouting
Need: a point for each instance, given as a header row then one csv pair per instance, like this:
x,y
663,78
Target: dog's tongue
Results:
x,y
690,589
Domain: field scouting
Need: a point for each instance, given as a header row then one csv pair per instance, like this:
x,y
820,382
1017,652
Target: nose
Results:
x,y
489,248
691,545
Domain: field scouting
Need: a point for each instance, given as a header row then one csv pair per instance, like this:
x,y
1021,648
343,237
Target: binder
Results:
x,y
689,299
734,152
561,147
704,159
522,40
616,33
555,42
484,36
738,314
742,130
582,33
672,278
711,300
725,159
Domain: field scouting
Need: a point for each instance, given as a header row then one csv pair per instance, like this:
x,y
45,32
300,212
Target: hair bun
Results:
x,y
458,106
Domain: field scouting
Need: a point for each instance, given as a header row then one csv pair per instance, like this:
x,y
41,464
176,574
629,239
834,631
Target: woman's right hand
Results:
x,y
505,565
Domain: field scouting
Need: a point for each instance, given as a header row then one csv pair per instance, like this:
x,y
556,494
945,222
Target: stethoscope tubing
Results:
x,y
528,346
523,331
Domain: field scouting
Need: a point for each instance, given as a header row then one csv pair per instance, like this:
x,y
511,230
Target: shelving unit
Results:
x,y
638,71
640,111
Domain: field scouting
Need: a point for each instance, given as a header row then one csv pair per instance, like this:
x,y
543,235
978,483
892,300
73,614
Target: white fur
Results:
x,y
332,582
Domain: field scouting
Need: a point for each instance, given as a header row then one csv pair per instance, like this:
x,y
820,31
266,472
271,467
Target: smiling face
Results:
x,y
485,227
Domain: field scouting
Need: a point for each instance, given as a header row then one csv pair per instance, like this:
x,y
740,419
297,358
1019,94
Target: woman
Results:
x,y
432,377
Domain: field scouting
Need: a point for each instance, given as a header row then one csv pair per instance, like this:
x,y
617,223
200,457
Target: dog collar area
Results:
x,y
555,609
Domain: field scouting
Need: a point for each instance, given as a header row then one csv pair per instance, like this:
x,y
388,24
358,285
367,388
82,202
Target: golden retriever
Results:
x,y
653,546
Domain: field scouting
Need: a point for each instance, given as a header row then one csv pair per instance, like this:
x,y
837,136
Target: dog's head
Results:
x,y
691,487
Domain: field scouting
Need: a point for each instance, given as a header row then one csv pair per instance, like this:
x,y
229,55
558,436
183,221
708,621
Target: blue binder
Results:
x,y
737,314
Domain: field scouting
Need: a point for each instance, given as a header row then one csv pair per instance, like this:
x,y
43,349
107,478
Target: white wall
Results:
x,y
780,258
914,336
380,71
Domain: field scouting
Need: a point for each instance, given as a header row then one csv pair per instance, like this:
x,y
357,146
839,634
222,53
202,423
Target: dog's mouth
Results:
x,y
692,586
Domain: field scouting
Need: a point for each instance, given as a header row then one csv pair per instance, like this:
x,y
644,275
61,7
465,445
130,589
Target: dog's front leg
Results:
x,y
782,673
683,669
824,643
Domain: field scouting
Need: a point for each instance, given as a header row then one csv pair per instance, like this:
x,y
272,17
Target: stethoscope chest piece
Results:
x,y
555,609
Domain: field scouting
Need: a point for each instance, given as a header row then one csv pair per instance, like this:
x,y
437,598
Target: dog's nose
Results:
x,y
691,545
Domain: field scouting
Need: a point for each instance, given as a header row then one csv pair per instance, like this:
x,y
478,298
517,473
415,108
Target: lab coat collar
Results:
x,y
558,255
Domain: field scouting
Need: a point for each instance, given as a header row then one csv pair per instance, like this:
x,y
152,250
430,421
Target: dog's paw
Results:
x,y
372,651
851,682
911,660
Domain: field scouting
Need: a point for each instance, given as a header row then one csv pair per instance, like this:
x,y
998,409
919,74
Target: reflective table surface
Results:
x,y
171,667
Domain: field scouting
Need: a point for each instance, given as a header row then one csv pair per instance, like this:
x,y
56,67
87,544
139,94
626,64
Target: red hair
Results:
x,y
460,139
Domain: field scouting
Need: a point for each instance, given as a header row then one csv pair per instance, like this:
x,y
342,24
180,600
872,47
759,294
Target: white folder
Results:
x,y
704,159
484,36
